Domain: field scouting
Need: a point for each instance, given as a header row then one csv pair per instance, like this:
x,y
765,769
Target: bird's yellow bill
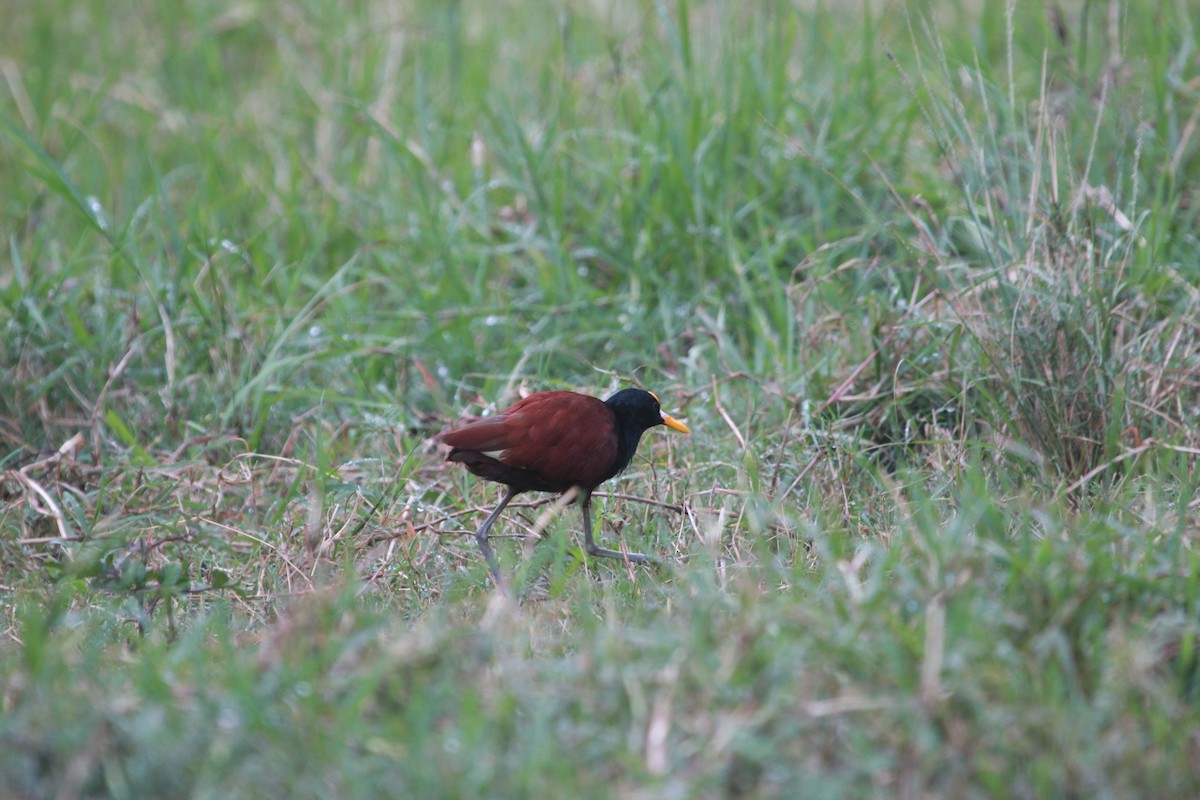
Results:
x,y
674,424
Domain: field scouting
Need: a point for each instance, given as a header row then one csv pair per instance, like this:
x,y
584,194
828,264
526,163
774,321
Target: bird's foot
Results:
x,y
632,558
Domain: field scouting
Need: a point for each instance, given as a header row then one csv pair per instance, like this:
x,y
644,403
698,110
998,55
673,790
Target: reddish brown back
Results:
x,y
566,439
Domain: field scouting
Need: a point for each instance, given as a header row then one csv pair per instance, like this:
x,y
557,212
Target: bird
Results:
x,y
554,442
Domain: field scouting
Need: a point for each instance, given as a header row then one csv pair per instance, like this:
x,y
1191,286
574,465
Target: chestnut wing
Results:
x,y
490,434
567,438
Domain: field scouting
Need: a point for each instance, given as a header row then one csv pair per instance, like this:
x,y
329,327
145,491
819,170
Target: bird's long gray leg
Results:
x,y
594,549
481,536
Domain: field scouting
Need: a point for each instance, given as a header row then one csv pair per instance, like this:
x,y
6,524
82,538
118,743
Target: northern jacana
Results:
x,y
553,442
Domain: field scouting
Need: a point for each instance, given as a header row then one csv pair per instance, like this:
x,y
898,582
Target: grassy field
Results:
x,y
921,278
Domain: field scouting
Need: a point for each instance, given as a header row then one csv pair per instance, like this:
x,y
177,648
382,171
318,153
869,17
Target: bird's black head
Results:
x,y
635,411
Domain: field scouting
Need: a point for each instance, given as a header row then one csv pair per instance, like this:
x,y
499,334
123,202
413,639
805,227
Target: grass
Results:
x,y
919,277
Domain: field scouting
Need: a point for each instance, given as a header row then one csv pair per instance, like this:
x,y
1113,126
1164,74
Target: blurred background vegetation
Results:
x,y
920,276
